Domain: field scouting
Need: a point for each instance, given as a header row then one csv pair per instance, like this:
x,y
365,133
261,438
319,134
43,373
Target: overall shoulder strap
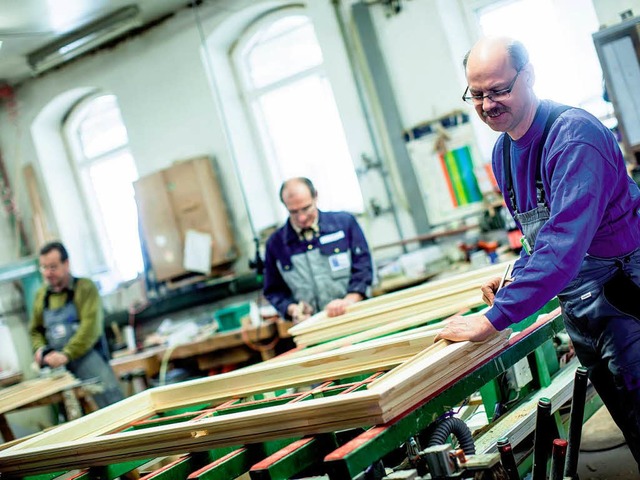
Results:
x,y
553,116
506,157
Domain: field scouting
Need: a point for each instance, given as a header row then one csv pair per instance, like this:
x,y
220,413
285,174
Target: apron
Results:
x,y
60,326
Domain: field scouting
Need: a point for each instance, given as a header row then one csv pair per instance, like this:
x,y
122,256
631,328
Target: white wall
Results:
x,y
608,11
424,74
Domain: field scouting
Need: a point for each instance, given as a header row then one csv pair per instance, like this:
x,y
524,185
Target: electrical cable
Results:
x,y
357,78
258,347
218,103
162,376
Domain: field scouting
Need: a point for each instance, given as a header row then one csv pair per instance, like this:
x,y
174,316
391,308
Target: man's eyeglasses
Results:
x,y
302,211
497,96
50,268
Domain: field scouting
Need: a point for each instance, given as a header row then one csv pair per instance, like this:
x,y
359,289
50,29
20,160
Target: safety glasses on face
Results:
x,y
303,211
497,96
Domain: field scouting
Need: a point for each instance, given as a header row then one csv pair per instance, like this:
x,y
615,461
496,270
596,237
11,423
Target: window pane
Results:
x,y
287,47
102,129
302,125
112,181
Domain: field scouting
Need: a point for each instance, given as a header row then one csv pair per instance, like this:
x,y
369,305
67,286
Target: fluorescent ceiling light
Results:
x,y
85,38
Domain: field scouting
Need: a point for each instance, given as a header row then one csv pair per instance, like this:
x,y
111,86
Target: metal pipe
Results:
x,y
507,459
575,421
542,440
226,132
366,110
558,456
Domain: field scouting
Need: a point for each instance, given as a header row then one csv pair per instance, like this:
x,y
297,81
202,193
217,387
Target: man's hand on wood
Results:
x,y
299,311
339,305
476,328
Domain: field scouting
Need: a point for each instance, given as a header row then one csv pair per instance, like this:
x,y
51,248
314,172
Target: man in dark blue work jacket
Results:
x,y
317,260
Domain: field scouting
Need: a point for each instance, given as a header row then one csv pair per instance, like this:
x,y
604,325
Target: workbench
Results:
x,y
222,348
62,389
276,455
10,378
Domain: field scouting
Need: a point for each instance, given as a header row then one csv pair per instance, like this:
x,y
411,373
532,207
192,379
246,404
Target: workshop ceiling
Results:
x,y
37,35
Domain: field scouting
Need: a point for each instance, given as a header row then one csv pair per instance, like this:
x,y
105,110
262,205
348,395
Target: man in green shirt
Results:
x,y
67,324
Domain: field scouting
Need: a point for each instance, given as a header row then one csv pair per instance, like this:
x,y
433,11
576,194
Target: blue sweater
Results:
x,y
594,207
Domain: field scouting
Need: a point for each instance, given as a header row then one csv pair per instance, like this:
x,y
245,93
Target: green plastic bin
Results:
x,y
230,317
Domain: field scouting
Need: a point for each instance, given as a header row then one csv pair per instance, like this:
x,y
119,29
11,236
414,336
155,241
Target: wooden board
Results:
x,y
477,277
411,307
9,378
395,319
30,391
41,227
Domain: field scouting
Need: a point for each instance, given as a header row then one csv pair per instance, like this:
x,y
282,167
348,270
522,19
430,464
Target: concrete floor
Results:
x,y
604,454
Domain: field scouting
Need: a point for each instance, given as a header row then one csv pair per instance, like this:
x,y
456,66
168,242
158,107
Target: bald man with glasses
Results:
x,y
566,185
316,261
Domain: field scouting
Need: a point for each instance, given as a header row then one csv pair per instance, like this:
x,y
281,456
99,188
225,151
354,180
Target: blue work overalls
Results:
x,y
601,312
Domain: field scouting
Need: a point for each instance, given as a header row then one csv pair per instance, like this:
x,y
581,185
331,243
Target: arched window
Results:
x,y
279,66
99,145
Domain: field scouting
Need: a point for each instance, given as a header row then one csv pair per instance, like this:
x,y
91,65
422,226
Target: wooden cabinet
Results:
x,y
175,200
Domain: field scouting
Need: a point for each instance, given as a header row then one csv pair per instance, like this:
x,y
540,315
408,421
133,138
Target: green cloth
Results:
x,y
88,303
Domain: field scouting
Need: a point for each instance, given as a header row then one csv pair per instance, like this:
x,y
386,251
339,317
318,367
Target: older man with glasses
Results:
x,y
317,260
67,325
566,184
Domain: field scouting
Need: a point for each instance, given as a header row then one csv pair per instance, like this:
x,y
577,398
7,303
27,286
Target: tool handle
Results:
x,y
558,456
507,459
542,440
575,421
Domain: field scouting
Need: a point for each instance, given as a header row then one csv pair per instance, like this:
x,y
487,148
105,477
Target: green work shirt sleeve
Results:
x,y
36,326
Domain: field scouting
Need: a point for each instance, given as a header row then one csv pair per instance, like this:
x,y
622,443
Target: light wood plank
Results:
x,y
24,393
433,289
